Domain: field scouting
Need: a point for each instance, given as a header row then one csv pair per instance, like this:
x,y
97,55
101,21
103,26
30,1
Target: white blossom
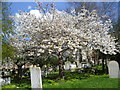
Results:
x,y
53,30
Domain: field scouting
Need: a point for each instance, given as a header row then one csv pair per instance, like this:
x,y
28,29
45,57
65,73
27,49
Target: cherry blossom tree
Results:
x,y
60,33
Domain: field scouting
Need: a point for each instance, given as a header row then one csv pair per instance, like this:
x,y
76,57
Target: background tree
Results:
x,y
7,30
106,10
117,35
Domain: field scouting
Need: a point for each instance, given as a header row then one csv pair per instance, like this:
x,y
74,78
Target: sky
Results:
x,y
27,6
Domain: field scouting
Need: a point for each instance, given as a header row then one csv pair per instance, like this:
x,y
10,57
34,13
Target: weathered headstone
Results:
x,y
73,66
85,64
113,68
1,82
36,79
67,65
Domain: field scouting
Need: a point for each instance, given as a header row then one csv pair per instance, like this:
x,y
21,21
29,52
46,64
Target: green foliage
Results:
x,y
46,59
50,81
53,76
10,86
73,75
95,81
99,67
7,50
7,29
23,85
53,60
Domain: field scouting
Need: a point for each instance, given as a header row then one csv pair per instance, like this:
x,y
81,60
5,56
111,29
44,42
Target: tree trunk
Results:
x,y
19,76
76,63
106,70
103,66
94,61
61,69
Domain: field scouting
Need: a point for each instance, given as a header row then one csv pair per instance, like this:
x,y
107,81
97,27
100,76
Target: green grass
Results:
x,y
93,81
18,84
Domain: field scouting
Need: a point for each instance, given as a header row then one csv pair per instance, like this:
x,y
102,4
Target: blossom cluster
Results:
x,y
55,31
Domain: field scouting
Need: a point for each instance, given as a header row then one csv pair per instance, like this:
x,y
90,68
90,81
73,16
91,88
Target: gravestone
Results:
x,y
113,68
73,66
36,79
67,65
1,82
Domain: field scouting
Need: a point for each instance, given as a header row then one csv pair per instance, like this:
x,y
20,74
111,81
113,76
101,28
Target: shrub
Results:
x,y
74,75
99,67
9,86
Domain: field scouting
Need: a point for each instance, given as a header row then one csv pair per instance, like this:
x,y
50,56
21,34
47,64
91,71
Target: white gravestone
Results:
x,y
36,79
1,82
73,66
67,65
113,68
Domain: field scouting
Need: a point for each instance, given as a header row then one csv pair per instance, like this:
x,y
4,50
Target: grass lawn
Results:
x,y
93,81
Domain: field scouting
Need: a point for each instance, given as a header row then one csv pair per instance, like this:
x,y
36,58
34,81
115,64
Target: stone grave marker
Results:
x,y
73,65
36,79
113,68
67,65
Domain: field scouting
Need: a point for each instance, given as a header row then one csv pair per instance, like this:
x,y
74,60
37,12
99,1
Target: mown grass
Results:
x,y
93,81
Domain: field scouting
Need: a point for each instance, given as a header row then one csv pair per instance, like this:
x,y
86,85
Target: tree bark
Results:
x,y
61,69
106,70
19,76
103,66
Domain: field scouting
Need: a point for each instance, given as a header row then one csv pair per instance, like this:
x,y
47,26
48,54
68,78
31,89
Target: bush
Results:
x,y
53,76
74,75
17,85
9,86
50,81
99,67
